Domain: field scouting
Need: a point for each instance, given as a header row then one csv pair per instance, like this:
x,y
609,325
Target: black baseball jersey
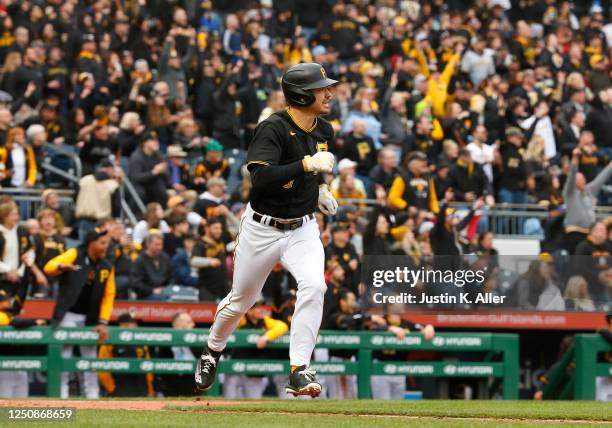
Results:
x,y
280,141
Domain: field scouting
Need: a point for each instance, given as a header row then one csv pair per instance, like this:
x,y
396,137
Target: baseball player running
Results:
x,y
287,158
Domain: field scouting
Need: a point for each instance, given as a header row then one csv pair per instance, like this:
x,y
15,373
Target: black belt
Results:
x,y
281,224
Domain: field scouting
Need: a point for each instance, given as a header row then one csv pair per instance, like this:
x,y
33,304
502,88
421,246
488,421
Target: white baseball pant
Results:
x,y
388,387
603,388
91,386
14,384
259,247
343,387
242,386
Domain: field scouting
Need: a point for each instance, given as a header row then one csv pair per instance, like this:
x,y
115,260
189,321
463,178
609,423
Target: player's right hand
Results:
x,y
320,162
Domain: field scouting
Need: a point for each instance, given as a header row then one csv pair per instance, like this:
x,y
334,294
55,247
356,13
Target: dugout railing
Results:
x,y
575,374
590,364
500,355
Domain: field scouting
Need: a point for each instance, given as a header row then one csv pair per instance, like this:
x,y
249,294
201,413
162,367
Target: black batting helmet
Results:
x,y
301,79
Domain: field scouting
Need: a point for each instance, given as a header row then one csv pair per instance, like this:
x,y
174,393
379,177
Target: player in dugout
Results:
x,y
85,298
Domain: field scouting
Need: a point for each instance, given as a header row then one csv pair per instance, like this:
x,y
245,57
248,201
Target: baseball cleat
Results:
x,y
303,382
206,369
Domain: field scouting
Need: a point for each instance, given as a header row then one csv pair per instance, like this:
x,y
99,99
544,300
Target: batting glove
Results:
x,y
320,162
327,202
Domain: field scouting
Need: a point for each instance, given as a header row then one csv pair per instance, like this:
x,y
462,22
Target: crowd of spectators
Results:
x,y
464,103
479,103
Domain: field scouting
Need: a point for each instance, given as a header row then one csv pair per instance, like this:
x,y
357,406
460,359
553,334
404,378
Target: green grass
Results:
x,y
438,408
341,414
137,419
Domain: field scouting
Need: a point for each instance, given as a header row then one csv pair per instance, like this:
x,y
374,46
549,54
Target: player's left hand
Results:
x,y
327,203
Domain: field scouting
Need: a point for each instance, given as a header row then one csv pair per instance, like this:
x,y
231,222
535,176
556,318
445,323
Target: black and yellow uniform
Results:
x,y
464,178
122,256
207,207
513,171
206,170
591,164
30,165
344,255
91,62
54,128
89,291
409,190
126,384
48,247
360,149
286,191
212,281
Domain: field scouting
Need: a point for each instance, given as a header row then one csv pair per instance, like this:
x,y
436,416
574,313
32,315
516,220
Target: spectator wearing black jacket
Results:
x,y
226,122
130,134
26,77
203,105
411,188
209,257
99,145
467,178
88,60
182,273
444,237
599,120
309,14
342,32
495,108
149,172
359,148
376,238
570,133
382,175
512,169
55,76
151,272
173,240
341,250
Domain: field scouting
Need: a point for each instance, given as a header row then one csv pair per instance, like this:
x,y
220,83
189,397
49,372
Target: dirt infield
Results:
x,y
203,405
117,404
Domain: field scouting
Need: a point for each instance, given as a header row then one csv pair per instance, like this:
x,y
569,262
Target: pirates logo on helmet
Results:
x,y
299,81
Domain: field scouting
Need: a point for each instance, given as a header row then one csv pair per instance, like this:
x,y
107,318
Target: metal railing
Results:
x,y
498,355
30,200
504,219
72,176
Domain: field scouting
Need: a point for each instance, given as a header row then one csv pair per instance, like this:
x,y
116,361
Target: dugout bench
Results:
x,y
500,353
